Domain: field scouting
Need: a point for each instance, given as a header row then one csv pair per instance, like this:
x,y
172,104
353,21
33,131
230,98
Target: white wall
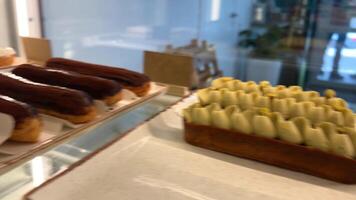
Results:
x,y
8,32
118,31
4,26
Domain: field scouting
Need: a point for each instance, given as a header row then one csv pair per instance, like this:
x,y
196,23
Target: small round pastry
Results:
x,y
72,105
101,89
7,56
329,93
136,82
28,125
221,82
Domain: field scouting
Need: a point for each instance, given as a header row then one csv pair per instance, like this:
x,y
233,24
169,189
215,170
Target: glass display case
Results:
x,y
185,44
14,183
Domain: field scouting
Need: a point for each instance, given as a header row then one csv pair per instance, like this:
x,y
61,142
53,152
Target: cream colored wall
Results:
x,y
8,30
5,39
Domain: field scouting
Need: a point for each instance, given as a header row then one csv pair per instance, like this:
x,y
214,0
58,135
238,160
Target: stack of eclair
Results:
x,y
65,89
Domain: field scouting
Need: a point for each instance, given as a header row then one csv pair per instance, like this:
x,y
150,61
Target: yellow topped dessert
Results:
x,y
286,113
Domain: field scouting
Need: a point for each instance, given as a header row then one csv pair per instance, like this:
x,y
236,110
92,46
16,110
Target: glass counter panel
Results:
x,y
15,183
311,43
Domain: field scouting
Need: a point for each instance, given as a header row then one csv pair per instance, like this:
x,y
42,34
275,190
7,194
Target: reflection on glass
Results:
x,y
38,171
215,10
22,18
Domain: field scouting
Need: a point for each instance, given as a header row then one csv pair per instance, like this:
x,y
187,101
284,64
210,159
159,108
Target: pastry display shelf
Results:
x,y
19,179
56,131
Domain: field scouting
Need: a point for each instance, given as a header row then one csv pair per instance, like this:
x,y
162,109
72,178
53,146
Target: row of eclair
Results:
x,y
289,114
62,88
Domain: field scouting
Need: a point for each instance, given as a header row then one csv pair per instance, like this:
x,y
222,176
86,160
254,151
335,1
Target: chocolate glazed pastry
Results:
x,y
28,126
72,105
136,82
101,89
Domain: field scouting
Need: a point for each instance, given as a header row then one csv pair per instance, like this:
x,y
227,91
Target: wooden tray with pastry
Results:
x,y
54,103
8,59
282,126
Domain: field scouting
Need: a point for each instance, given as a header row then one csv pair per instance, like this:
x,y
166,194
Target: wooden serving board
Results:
x,y
15,153
272,151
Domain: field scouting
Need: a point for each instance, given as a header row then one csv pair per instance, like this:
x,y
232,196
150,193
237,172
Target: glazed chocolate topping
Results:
x,y
98,88
61,100
122,76
18,110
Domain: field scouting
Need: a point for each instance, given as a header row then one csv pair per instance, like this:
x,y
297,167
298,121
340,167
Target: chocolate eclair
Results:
x,y
28,125
134,81
101,89
72,105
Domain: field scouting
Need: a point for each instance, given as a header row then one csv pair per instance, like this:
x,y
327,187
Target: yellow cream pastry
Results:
x,y
240,85
336,117
308,105
264,84
337,103
232,109
220,119
287,113
289,132
319,101
229,98
328,128
349,118
187,114
282,94
201,116
302,124
215,96
295,88
297,110
315,137
240,123
231,85
316,114
263,126
212,107
341,144
263,102
246,101
329,93
221,82
253,87
203,96
352,134
280,105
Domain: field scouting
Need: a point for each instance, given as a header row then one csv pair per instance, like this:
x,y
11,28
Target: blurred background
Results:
x,y
311,43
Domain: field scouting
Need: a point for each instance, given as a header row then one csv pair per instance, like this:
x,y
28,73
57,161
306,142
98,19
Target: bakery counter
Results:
x,y
19,180
154,161
165,147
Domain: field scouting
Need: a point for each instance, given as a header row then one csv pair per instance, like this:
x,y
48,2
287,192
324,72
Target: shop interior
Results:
x,y
184,43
